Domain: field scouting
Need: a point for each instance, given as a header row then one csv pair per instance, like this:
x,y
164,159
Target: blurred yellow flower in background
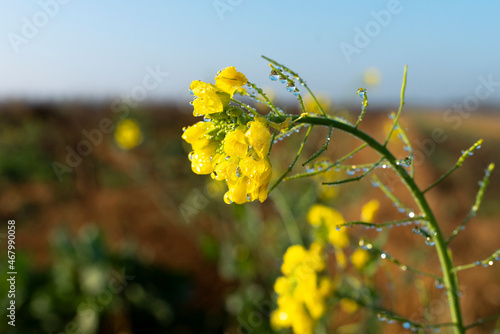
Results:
x,y
349,306
128,134
369,211
372,77
321,214
323,99
360,258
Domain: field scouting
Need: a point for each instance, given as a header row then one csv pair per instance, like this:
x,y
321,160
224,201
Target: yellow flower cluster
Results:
x,y
302,294
230,145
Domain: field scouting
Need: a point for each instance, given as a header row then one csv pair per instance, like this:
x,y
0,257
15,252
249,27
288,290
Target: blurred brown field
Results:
x,y
177,221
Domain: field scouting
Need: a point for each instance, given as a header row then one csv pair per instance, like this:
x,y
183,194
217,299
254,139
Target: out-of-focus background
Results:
x,y
115,234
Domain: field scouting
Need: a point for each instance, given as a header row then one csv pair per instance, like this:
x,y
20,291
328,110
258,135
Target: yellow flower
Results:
x,y
201,159
235,144
237,192
195,134
360,258
348,305
259,175
370,210
321,214
225,169
128,134
292,258
259,137
229,80
209,99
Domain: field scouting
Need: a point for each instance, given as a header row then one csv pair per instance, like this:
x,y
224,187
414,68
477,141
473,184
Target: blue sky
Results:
x,y
91,49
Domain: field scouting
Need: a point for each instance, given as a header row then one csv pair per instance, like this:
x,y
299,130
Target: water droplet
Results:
x,y
378,229
350,172
401,209
429,242
191,92
439,284
381,317
227,198
365,246
411,214
406,325
282,79
337,228
477,263
383,255
274,76
291,88
407,148
375,184
403,267
478,147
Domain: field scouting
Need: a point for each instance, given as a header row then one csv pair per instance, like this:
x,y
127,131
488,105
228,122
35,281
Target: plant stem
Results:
x,y
449,277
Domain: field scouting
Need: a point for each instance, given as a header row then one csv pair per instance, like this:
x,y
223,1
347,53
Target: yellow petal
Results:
x,y
235,144
259,137
201,159
229,80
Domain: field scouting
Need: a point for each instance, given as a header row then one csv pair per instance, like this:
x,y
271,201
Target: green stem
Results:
x,y
287,217
449,277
